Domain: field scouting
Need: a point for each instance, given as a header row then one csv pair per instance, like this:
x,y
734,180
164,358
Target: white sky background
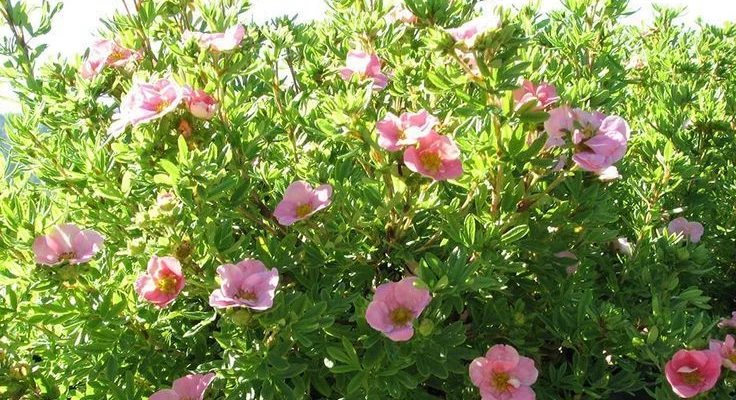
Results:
x,y
76,26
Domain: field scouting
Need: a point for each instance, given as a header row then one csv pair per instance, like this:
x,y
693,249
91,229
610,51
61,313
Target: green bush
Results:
x,y
494,247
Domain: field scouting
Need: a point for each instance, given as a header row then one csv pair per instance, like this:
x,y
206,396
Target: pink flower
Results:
x,y
301,201
246,284
469,32
218,42
146,102
691,372
366,66
726,350
395,132
600,141
542,95
190,387
728,322
66,242
163,281
504,375
692,231
436,157
106,53
200,104
401,14
571,268
395,306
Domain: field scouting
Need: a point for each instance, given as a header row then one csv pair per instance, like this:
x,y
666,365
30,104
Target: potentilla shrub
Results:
x,y
410,201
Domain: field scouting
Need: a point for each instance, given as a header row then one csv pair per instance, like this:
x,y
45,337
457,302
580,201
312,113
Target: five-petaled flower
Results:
x,y
691,231
435,156
190,387
162,282
301,201
246,284
107,53
503,374
396,132
365,66
394,308
691,372
146,102
726,350
66,242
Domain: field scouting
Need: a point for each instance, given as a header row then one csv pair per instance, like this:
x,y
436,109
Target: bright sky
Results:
x,y
76,26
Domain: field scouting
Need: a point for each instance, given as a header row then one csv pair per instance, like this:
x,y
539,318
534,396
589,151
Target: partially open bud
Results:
x,y
166,201
682,254
241,317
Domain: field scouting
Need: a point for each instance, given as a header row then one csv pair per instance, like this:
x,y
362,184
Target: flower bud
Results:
x,y
426,327
137,246
241,317
682,254
166,201
19,370
185,129
183,250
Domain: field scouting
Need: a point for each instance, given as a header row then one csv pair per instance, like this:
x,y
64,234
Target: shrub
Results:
x,y
412,203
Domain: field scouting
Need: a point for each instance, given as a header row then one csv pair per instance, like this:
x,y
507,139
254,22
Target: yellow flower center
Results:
x,y
732,357
401,316
691,378
67,256
431,162
115,56
303,210
162,105
167,284
247,295
500,381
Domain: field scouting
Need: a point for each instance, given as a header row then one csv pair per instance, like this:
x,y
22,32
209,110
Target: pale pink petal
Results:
x,y
166,394
192,386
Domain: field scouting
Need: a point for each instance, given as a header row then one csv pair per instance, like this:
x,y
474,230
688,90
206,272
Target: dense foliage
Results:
x,y
516,250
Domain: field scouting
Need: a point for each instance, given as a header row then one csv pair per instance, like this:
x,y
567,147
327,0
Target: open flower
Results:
x,y
366,66
436,157
691,372
190,387
396,132
146,102
162,282
599,142
542,95
218,42
246,284
106,53
66,242
301,201
728,322
200,103
726,350
558,125
504,374
691,231
395,306
469,32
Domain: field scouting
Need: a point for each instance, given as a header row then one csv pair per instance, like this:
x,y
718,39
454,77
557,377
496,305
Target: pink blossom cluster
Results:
x,y
426,152
146,102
